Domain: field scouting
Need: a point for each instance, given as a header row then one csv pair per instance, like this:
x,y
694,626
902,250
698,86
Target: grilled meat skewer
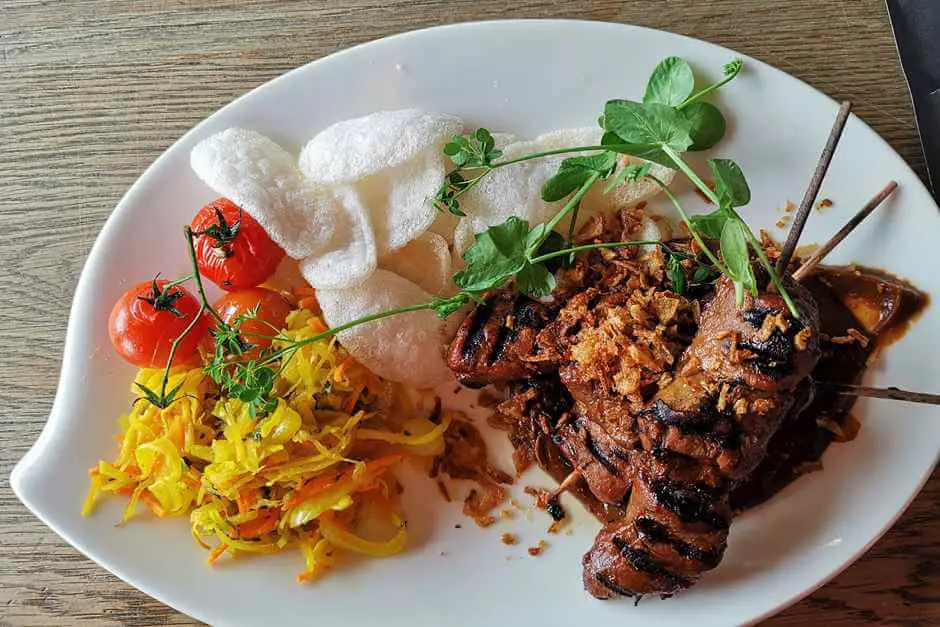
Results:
x,y
492,341
613,349
704,432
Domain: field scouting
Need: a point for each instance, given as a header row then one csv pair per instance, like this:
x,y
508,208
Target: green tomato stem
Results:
x,y
203,306
197,278
179,281
174,346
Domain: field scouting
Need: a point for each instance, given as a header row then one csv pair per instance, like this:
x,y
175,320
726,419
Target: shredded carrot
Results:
x,y
319,485
353,398
340,373
216,553
247,500
317,325
266,522
262,482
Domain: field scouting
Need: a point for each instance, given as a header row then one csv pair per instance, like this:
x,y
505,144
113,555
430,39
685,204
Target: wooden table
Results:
x,y
91,92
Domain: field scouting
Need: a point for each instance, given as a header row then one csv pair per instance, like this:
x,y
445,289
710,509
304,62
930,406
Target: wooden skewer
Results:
x,y
826,248
572,477
799,220
891,393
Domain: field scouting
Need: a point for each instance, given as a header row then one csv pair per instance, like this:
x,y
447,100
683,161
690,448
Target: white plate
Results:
x,y
525,77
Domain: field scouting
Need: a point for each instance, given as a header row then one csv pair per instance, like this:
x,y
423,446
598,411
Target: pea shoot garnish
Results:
x,y
671,120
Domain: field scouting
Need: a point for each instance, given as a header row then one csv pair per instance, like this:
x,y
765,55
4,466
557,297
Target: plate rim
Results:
x,y
34,453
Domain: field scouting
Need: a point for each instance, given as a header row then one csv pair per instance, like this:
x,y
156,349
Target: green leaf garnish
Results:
x,y
710,224
476,150
495,256
671,83
730,184
535,281
574,172
708,125
676,273
737,258
648,125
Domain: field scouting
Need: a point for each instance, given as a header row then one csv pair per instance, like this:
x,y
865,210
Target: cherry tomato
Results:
x,y
232,249
146,320
269,319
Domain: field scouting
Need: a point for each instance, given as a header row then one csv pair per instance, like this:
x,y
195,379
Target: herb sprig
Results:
x,y
671,120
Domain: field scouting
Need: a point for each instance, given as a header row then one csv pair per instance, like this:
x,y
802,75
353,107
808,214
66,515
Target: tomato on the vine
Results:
x,y
269,317
232,249
149,317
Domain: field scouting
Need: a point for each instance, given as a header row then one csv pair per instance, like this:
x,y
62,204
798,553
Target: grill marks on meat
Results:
x,y
675,527
492,343
603,462
704,432
614,348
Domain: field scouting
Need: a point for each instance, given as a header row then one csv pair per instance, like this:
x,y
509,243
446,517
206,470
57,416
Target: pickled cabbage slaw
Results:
x,y
315,473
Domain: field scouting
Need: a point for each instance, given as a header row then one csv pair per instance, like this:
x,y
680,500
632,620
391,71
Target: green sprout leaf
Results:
x,y
710,224
704,274
735,254
496,255
477,150
676,273
708,125
575,171
730,184
444,307
652,125
733,68
535,281
671,82
553,243
632,172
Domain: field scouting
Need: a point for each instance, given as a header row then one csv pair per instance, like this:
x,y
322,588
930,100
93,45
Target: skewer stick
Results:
x,y
891,393
799,221
569,481
826,248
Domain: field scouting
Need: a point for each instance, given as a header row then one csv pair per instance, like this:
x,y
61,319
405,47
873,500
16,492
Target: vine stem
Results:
x,y
569,206
707,90
203,306
769,267
471,183
688,222
348,325
546,153
197,278
752,239
582,248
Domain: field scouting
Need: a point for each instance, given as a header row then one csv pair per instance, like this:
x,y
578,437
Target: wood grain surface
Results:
x,y
92,92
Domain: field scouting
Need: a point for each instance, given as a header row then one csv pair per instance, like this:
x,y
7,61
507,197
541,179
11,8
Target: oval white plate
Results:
x,y
524,77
